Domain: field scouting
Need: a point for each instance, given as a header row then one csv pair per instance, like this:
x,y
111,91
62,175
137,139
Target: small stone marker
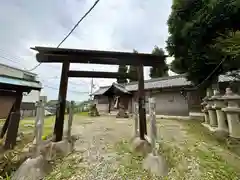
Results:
x,y
39,126
155,163
136,121
68,123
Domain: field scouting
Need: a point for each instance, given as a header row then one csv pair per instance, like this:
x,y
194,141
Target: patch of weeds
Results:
x,y
10,160
66,167
130,163
215,139
82,113
178,161
170,153
214,167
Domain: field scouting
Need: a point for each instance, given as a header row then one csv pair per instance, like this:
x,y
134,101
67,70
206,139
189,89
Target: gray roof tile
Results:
x,y
165,82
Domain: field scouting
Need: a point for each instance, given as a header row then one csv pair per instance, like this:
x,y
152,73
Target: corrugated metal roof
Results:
x,y
171,81
18,69
165,82
20,82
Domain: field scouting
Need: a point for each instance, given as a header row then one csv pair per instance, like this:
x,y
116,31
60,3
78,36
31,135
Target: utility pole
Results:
x,y
91,90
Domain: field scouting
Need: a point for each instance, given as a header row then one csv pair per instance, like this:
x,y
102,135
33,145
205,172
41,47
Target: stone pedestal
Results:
x,y
122,112
93,111
206,106
205,112
212,114
221,116
233,113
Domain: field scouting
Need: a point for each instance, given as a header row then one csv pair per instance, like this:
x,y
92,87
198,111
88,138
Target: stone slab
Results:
x,y
156,165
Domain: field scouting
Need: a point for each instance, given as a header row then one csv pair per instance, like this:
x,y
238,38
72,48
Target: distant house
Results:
x,y
19,77
170,93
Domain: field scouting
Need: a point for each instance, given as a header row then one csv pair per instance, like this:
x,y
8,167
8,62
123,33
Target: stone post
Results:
x,y
39,126
233,113
153,126
154,162
136,121
221,117
68,123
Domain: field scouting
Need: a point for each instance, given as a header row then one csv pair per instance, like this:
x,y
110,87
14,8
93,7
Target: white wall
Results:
x,y
171,103
33,96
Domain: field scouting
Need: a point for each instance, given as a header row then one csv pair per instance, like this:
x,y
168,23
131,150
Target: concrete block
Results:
x,y
31,169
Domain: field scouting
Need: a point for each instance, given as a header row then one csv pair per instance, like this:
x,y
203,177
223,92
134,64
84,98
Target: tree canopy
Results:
x,y
123,70
162,69
203,38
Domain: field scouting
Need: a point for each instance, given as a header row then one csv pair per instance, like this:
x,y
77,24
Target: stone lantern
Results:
x,y
221,116
210,109
233,113
205,111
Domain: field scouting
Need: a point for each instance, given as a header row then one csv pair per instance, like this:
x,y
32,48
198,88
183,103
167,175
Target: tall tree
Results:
x,y
123,70
162,69
197,29
133,71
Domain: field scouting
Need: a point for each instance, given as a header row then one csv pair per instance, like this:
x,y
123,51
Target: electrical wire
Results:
x,y
210,75
75,26
78,92
9,59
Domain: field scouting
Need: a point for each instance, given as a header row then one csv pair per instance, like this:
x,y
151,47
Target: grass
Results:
x,y
130,163
82,114
10,160
201,156
66,167
47,129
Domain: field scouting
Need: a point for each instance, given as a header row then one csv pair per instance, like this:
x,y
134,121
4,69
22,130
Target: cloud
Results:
x,y
113,25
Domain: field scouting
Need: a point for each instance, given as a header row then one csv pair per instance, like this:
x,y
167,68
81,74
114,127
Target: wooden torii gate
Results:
x,y
67,56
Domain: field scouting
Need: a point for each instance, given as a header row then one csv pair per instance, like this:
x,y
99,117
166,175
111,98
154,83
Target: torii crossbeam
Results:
x,y
67,56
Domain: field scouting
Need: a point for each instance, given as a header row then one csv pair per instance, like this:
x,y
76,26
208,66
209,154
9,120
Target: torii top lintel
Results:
x,y
60,55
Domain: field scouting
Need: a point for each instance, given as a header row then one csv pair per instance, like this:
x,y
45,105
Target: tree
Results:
x,y
133,71
162,69
197,30
123,70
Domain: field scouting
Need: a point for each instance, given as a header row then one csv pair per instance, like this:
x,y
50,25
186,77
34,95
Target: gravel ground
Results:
x,y
103,152
95,155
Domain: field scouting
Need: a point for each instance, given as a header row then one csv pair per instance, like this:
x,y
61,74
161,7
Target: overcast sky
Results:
x,y
121,25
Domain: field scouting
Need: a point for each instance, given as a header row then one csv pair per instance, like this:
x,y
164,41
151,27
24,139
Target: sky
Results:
x,y
121,25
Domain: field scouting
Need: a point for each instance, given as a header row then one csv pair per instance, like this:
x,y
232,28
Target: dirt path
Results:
x,y
103,152
95,156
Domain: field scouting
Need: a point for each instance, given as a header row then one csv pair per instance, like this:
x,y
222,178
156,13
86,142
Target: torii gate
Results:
x,y
67,56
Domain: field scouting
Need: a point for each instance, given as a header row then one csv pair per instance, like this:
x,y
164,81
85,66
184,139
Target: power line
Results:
x,y
209,76
78,92
70,82
97,1
75,26
9,59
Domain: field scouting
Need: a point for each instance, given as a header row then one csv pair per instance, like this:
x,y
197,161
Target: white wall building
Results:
x,y
29,100
6,70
